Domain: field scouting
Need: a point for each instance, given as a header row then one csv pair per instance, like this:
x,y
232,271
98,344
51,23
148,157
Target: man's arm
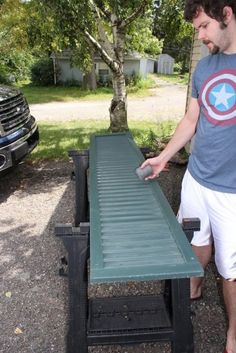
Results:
x,y
183,133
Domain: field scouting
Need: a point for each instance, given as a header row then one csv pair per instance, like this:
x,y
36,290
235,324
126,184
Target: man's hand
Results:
x,y
158,165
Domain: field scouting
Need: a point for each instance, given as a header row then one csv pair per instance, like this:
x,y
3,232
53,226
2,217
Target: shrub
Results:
x,y
15,66
177,68
69,83
42,72
4,76
133,79
104,81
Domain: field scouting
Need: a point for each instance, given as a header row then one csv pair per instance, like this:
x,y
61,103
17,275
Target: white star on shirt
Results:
x,y
222,97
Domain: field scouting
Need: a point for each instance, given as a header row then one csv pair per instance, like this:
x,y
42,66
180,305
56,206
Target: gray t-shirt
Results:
x,y
213,159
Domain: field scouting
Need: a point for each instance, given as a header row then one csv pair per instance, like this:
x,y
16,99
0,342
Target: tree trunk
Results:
x,y
118,107
89,80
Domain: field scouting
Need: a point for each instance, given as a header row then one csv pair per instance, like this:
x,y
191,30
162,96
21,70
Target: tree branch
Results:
x,y
108,59
102,34
106,14
135,14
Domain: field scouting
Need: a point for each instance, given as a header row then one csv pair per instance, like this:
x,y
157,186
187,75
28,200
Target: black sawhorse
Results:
x,y
122,320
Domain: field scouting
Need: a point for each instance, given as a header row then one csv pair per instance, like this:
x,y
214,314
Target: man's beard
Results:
x,y
214,50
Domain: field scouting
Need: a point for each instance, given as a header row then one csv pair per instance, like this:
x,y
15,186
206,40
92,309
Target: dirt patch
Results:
x,y
34,299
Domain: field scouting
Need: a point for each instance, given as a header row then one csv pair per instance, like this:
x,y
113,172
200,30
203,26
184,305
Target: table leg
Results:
x,y
181,320
76,244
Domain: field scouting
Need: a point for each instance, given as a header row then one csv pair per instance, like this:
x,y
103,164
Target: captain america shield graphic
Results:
x,y
218,98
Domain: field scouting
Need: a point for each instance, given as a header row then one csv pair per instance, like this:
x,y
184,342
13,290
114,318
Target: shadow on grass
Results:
x,y
56,139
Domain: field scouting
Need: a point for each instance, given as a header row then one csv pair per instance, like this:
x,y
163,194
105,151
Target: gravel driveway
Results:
x,y
167,102
34,298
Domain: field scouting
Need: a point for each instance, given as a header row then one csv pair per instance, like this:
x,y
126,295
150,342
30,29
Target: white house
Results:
x,y
134,63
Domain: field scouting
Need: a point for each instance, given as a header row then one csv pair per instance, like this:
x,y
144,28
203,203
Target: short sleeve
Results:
x,y
194,86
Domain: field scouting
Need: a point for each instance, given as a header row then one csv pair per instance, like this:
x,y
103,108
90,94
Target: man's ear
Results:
x,y
227,13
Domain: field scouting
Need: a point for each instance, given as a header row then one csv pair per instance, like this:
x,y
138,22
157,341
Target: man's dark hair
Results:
x,y
213,8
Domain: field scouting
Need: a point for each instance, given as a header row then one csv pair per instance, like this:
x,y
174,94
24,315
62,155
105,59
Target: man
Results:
x,y
209,185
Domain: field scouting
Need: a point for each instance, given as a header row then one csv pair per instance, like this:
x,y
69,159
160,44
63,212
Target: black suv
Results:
x,y
18,129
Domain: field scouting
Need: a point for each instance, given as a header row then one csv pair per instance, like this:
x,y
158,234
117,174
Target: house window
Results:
x,y
103,75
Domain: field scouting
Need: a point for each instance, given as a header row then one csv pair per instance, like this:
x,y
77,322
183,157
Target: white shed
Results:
x,y
165,64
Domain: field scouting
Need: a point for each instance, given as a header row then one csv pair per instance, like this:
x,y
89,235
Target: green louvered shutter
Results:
x,y
134,234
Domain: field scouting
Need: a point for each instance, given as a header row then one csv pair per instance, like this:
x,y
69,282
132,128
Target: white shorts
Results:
x,y
217,213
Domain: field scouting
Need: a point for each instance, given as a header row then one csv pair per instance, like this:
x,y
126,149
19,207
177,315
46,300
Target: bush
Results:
x,y
15,66
4,76
133,79
42,72
70,83
177,68
104,81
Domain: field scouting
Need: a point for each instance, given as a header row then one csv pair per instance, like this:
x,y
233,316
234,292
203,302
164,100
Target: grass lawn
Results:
x,y
35,94
175,78
68,94
57,138
63,94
